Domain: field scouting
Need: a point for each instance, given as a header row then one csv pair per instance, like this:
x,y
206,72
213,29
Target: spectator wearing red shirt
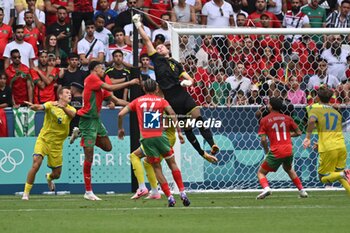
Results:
x,y
253,19
268,65
199,89
237,40
51,7
308,52
249,58
32,34
156,8
38,15
44,78
5,37
19,80
274,41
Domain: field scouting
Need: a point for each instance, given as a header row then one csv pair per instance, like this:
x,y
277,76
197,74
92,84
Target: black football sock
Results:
x,y
206,133
193,140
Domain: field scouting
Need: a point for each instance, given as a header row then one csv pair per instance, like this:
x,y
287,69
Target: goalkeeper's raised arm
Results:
x,y
146,40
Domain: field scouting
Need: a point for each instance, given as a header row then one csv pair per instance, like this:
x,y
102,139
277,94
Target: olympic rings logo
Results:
x,y
10,161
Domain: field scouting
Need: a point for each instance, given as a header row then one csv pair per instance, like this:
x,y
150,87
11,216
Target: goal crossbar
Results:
x,y
176,32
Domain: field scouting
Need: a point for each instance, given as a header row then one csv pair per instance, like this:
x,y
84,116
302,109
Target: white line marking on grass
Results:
x,y
78,197
181,208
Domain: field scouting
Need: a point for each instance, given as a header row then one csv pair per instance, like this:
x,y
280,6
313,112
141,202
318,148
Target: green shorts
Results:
x,y
156,147
90,129
271,163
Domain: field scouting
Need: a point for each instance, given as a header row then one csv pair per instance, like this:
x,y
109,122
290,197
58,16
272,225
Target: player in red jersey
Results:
x,y
149,109
279,128
92,130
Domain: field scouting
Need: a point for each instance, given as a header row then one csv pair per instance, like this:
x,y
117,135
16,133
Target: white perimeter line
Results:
x,y
54,198
181,208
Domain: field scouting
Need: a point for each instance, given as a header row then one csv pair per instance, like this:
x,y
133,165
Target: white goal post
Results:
x,y
176,32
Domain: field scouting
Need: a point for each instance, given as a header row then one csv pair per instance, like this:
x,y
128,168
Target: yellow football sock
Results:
x,y
27,188
137,167
345,185
48,177
150,175
333,176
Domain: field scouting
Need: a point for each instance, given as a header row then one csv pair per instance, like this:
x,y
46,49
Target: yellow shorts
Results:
x,y
52,151
170,134
331,161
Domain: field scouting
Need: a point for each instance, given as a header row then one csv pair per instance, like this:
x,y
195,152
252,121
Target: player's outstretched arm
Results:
x,y
121,115
119,102
115,87
35,107
146,40
170,112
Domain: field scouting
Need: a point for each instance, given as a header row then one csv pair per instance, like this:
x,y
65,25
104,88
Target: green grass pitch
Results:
x,y
326,212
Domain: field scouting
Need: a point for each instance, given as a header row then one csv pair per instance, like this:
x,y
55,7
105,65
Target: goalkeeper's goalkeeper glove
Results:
x,y
186,83
137,20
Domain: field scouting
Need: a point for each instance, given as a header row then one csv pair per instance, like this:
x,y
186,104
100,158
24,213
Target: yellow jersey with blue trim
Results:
x,y
56,124
329,127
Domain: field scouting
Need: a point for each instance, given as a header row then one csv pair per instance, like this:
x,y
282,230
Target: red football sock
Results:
x,y
297,183
264,183
178,179
87,175
166,189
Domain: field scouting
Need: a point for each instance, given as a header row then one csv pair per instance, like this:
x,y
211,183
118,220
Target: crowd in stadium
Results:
x,y
47,47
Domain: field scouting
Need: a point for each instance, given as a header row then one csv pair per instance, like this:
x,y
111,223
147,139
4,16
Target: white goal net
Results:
x,y
236,70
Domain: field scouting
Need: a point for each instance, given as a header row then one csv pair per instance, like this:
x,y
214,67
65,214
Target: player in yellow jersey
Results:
x,y
50,140
331,144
